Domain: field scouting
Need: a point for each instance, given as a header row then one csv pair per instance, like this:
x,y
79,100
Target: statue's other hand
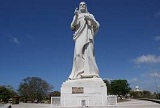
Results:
x,y
87,17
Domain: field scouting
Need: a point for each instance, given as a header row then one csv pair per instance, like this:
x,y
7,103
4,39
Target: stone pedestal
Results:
x,y
84,92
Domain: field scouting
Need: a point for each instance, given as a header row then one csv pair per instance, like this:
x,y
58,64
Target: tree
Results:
x,y
55,94
120,87
34,88
136,94
147,94
6,92
140,94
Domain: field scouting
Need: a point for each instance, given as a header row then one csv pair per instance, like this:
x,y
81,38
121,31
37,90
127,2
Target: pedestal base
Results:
x,y
84,92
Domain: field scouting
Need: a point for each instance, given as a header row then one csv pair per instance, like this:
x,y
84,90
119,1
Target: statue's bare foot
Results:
x,y
79,77
69,79
95,76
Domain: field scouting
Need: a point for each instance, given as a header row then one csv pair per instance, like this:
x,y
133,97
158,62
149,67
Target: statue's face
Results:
x,y
82,7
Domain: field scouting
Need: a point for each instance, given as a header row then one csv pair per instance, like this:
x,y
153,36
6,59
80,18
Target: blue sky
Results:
x,y
36,40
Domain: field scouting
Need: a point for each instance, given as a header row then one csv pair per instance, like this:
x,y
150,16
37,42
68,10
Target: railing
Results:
x,y
55,101
111,100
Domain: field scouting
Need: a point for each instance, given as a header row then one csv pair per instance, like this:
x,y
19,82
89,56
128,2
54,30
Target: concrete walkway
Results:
x,y
127,104
4,105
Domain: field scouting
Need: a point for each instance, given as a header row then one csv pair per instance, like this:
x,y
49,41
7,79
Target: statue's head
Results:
x,y
83,7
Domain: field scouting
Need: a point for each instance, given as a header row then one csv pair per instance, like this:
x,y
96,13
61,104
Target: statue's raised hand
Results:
x,y
76,12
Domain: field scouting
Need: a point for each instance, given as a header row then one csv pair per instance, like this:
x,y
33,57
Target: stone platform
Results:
x,y
84,92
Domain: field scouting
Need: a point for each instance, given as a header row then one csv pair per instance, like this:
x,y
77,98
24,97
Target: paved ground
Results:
x,y
138,104
4,105
127,104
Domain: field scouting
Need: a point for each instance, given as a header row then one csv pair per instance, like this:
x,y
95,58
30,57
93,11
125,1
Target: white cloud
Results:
x,y
146,81
29,37
155,74
134,80
157,38
15,40
147,59
157,14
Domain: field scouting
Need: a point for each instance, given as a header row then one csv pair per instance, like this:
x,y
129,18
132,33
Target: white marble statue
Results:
x,y
85,27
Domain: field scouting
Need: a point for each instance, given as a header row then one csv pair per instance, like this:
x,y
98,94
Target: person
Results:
x,y
85,27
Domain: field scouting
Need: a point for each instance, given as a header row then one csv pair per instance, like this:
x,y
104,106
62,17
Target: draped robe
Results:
x,y
84,63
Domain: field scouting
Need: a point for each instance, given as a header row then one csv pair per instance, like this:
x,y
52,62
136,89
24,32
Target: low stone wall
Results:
x,y
153,100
